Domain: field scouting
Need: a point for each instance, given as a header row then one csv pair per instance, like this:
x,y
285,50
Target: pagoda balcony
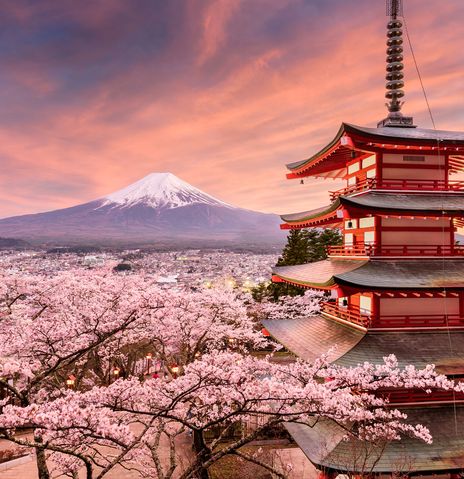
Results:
x,y
367,184
355,316
351,314
398,185
368,250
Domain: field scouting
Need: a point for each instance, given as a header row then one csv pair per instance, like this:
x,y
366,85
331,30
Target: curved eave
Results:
x,y
317,275
338,152
318,217
331,221
331,160
297,165
277,278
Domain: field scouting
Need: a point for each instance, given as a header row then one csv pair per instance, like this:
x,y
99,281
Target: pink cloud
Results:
x,y
221,113
215,20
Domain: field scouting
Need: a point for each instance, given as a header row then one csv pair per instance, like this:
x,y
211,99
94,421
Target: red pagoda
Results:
x,y
396,284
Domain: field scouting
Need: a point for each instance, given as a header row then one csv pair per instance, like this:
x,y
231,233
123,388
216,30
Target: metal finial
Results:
x,y
395,67
394,8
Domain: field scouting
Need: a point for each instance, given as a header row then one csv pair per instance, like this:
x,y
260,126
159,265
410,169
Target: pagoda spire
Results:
x,y
395,67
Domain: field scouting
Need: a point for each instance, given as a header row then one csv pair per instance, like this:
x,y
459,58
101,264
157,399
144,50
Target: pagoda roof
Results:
x,y
309,338
380,202
324,444
319,274
406,274
375,274
432,203
331,160
327,215
419,135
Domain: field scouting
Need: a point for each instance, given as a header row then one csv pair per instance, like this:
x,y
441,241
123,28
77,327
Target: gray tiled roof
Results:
x,y
323,444
406,274
419,134
317,274
413,202
449,203
311,337
411,135
377,274
306,215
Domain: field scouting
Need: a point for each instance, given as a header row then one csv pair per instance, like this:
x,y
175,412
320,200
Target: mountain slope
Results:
x,y
161,190
157,208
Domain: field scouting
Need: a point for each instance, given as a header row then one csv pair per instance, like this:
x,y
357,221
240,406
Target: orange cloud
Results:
x,y
222,94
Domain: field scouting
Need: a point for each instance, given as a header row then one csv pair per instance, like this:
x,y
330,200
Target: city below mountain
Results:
x,y
158,210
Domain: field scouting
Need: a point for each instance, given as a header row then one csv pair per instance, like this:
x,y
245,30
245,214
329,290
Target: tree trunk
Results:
x,y
89,470
42,467
202,451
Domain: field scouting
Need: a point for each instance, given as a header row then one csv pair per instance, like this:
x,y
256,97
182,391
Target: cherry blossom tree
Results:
x,y
289,307
193,323
84,323
219,389
51,327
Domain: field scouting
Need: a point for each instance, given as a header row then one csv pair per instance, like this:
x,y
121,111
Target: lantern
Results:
x,y
71,381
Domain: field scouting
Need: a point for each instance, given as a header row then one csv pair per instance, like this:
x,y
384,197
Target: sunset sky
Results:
x,y
96,94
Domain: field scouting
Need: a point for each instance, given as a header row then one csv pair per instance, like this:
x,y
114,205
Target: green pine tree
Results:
x,y
303,246
318,240
296,250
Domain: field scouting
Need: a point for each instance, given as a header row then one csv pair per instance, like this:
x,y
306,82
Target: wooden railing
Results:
x,y
351,314
386,184
366,184
353,250
398,321
425,185
395,250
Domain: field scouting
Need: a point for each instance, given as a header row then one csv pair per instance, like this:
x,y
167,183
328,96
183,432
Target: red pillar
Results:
x,y
375,313
447,168
377,233
379,167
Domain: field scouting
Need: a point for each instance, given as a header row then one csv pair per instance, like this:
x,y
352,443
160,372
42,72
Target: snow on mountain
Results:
x,y
159,209
161,190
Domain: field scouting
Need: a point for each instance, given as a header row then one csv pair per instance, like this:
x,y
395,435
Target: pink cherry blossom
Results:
x,y
88,324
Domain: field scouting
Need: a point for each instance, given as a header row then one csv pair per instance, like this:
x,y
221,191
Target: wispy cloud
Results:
x,y
222,93
215,22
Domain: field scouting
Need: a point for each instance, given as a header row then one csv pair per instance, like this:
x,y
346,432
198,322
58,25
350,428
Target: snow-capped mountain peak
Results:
x,y
159,210
161,190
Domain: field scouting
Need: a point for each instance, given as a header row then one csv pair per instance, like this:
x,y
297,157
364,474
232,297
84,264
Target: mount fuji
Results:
x,y
159,210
